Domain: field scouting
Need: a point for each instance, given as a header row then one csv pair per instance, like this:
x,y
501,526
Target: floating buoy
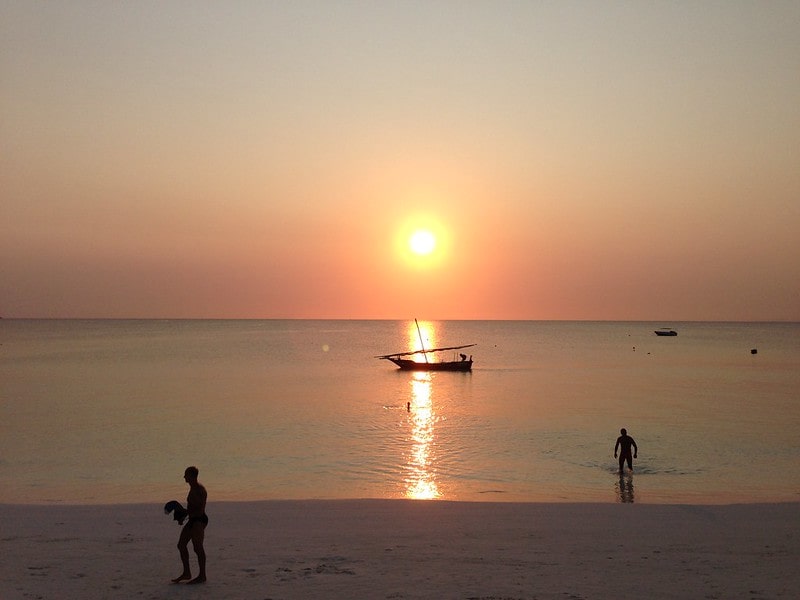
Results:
x,y
754,351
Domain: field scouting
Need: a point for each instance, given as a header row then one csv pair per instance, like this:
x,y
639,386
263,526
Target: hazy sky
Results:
x,y
575,160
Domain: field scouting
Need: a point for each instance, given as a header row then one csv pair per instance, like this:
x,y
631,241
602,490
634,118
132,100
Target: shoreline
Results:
x,y
403,549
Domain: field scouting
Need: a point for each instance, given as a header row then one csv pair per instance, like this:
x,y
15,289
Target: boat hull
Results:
x,y
406,364
666,333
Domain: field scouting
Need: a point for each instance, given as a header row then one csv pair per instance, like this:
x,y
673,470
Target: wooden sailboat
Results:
x,y
404,361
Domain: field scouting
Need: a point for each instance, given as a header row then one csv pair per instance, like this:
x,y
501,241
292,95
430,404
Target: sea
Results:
x,y
112,411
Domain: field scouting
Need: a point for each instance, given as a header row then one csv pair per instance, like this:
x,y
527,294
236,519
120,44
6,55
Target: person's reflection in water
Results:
x,y
624,488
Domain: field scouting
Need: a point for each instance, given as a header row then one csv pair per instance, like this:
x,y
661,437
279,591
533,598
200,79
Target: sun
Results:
x,y
422,242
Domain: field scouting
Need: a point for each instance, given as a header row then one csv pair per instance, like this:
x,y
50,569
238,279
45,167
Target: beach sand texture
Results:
x,y
396,549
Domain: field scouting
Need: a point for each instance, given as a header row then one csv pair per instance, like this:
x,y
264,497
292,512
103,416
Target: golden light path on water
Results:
x,y
421,473
421,336
421,478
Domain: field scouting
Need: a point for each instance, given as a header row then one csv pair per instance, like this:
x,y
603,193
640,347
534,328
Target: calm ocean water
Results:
x,y
112,411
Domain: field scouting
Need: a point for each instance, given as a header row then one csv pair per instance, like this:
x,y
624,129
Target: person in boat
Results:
x,y
463,357
624,445
195,528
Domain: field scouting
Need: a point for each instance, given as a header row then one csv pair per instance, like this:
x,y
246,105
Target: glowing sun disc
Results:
x,y
422,242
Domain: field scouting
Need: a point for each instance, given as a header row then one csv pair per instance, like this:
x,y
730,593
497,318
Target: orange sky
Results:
x,y
259,160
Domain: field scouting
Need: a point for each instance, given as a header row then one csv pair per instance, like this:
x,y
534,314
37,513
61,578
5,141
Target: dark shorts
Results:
x,y
201,519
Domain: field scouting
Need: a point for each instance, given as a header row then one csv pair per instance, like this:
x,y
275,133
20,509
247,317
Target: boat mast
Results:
x,y
419,332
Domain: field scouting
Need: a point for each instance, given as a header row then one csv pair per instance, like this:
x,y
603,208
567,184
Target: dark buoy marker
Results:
x,y
754,351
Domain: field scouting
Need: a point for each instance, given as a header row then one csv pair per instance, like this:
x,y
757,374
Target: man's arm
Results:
x,y
616,447
635,448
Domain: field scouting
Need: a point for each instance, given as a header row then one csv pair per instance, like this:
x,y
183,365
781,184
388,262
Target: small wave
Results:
x,y
649,470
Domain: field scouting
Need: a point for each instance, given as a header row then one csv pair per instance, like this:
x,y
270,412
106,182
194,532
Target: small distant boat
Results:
x,y
666,331
401,359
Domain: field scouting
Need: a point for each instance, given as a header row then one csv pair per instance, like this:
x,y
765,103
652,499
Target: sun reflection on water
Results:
x,y
421,477
421,335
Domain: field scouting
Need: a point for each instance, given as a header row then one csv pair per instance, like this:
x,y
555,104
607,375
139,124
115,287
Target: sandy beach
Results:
x,y
397,549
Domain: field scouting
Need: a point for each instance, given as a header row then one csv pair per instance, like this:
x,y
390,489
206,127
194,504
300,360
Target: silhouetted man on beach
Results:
x,y
194,529
624,444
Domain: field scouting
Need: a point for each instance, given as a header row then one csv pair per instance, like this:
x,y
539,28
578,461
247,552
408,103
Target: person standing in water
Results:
x,y
195,528
624,445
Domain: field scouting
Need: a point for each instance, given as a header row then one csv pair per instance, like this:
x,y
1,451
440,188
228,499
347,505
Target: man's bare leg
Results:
x,y
187,574
198,533
183,548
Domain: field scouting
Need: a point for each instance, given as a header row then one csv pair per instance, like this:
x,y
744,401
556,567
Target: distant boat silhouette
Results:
x,y
666,331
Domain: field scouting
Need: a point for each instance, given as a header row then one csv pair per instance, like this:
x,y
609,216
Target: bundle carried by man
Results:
x,y
179,513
